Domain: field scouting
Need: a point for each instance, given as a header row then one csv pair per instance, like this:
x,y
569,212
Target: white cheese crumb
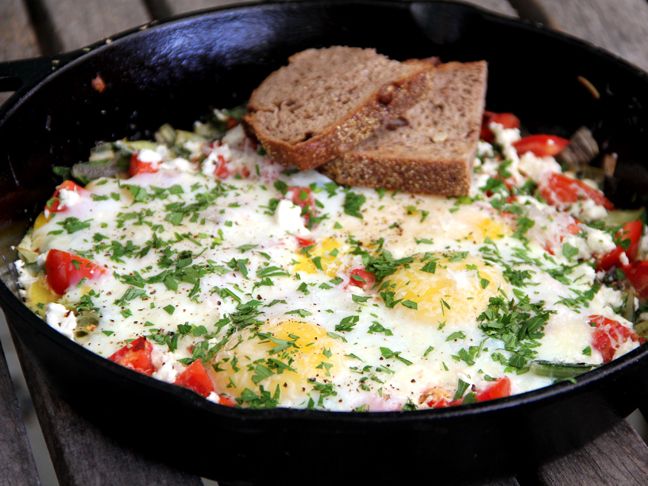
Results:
x,y
210,164
25,278
178,165
599,241
165,364
61,319
588,210
67,199
623,258
213,397
234,137
289,218
149,156
484,149
538,168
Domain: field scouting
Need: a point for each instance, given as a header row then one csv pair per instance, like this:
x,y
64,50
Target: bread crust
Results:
x,y
450,177
389,101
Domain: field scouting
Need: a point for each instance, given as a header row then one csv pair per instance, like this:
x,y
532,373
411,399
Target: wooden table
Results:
x,y
80,453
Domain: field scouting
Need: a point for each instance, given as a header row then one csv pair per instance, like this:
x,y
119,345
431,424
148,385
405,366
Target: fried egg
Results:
x,y
274,288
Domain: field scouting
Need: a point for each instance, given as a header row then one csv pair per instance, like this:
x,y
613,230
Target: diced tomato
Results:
x,y
507,120
136,355
541,145
304,242
303,197
196,378
637,275
362,278
221,170
609,335
573,228
138,166
499,389
64,270
226,401
630,232
54,203
438,403
561,189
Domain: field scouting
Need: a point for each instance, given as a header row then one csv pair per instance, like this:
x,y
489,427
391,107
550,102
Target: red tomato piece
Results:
x,y
226,401
136,355
221,170
637,274
631,232
303,197
304,242
438,403
561,189
138,166
541,145
610,335
362,278
507,120
196,378
54,203
498,389
64,270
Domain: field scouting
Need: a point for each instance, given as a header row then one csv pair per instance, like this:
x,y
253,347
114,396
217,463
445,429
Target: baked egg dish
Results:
x,y
198,261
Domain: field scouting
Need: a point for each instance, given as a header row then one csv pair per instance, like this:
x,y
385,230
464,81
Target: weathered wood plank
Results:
x,y
164,8
620,26
69,437
64,25
17,38
619,456
17,466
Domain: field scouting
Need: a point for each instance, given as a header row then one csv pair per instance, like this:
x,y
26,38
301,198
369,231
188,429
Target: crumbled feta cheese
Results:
x,y
165,364
234,137
211,163
588,210
67,199
61,319
538,168
178,165
25,278
149,156
599,241
289,218
213,397
484,149
623,258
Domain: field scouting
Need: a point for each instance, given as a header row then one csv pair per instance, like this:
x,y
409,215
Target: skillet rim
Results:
x,y
560,390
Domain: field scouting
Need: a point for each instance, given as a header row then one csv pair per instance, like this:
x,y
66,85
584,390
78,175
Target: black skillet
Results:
x,y
174,71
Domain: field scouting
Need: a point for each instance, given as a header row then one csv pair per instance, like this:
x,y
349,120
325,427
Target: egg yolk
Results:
x,y
450,289
39,295
292,355
325,254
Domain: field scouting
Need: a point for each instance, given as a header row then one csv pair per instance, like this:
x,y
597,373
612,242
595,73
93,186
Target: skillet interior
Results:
x,y
173,73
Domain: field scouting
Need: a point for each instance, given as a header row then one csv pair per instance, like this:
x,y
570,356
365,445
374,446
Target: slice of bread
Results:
x,y
431,147
326,101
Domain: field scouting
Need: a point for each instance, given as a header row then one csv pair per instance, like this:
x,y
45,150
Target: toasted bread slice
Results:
x,y
431,147
326,101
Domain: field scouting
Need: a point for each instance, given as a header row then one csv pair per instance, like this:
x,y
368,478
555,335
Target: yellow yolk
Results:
x,y
39,295
292,355
41,220
445,290
326,253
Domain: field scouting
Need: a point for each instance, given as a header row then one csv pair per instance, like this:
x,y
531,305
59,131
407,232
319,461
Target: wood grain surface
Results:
x,y
64,25
618,457
17,465
620,26
82,455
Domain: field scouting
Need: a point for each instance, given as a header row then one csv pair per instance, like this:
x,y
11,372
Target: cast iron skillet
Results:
x,y
173,72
